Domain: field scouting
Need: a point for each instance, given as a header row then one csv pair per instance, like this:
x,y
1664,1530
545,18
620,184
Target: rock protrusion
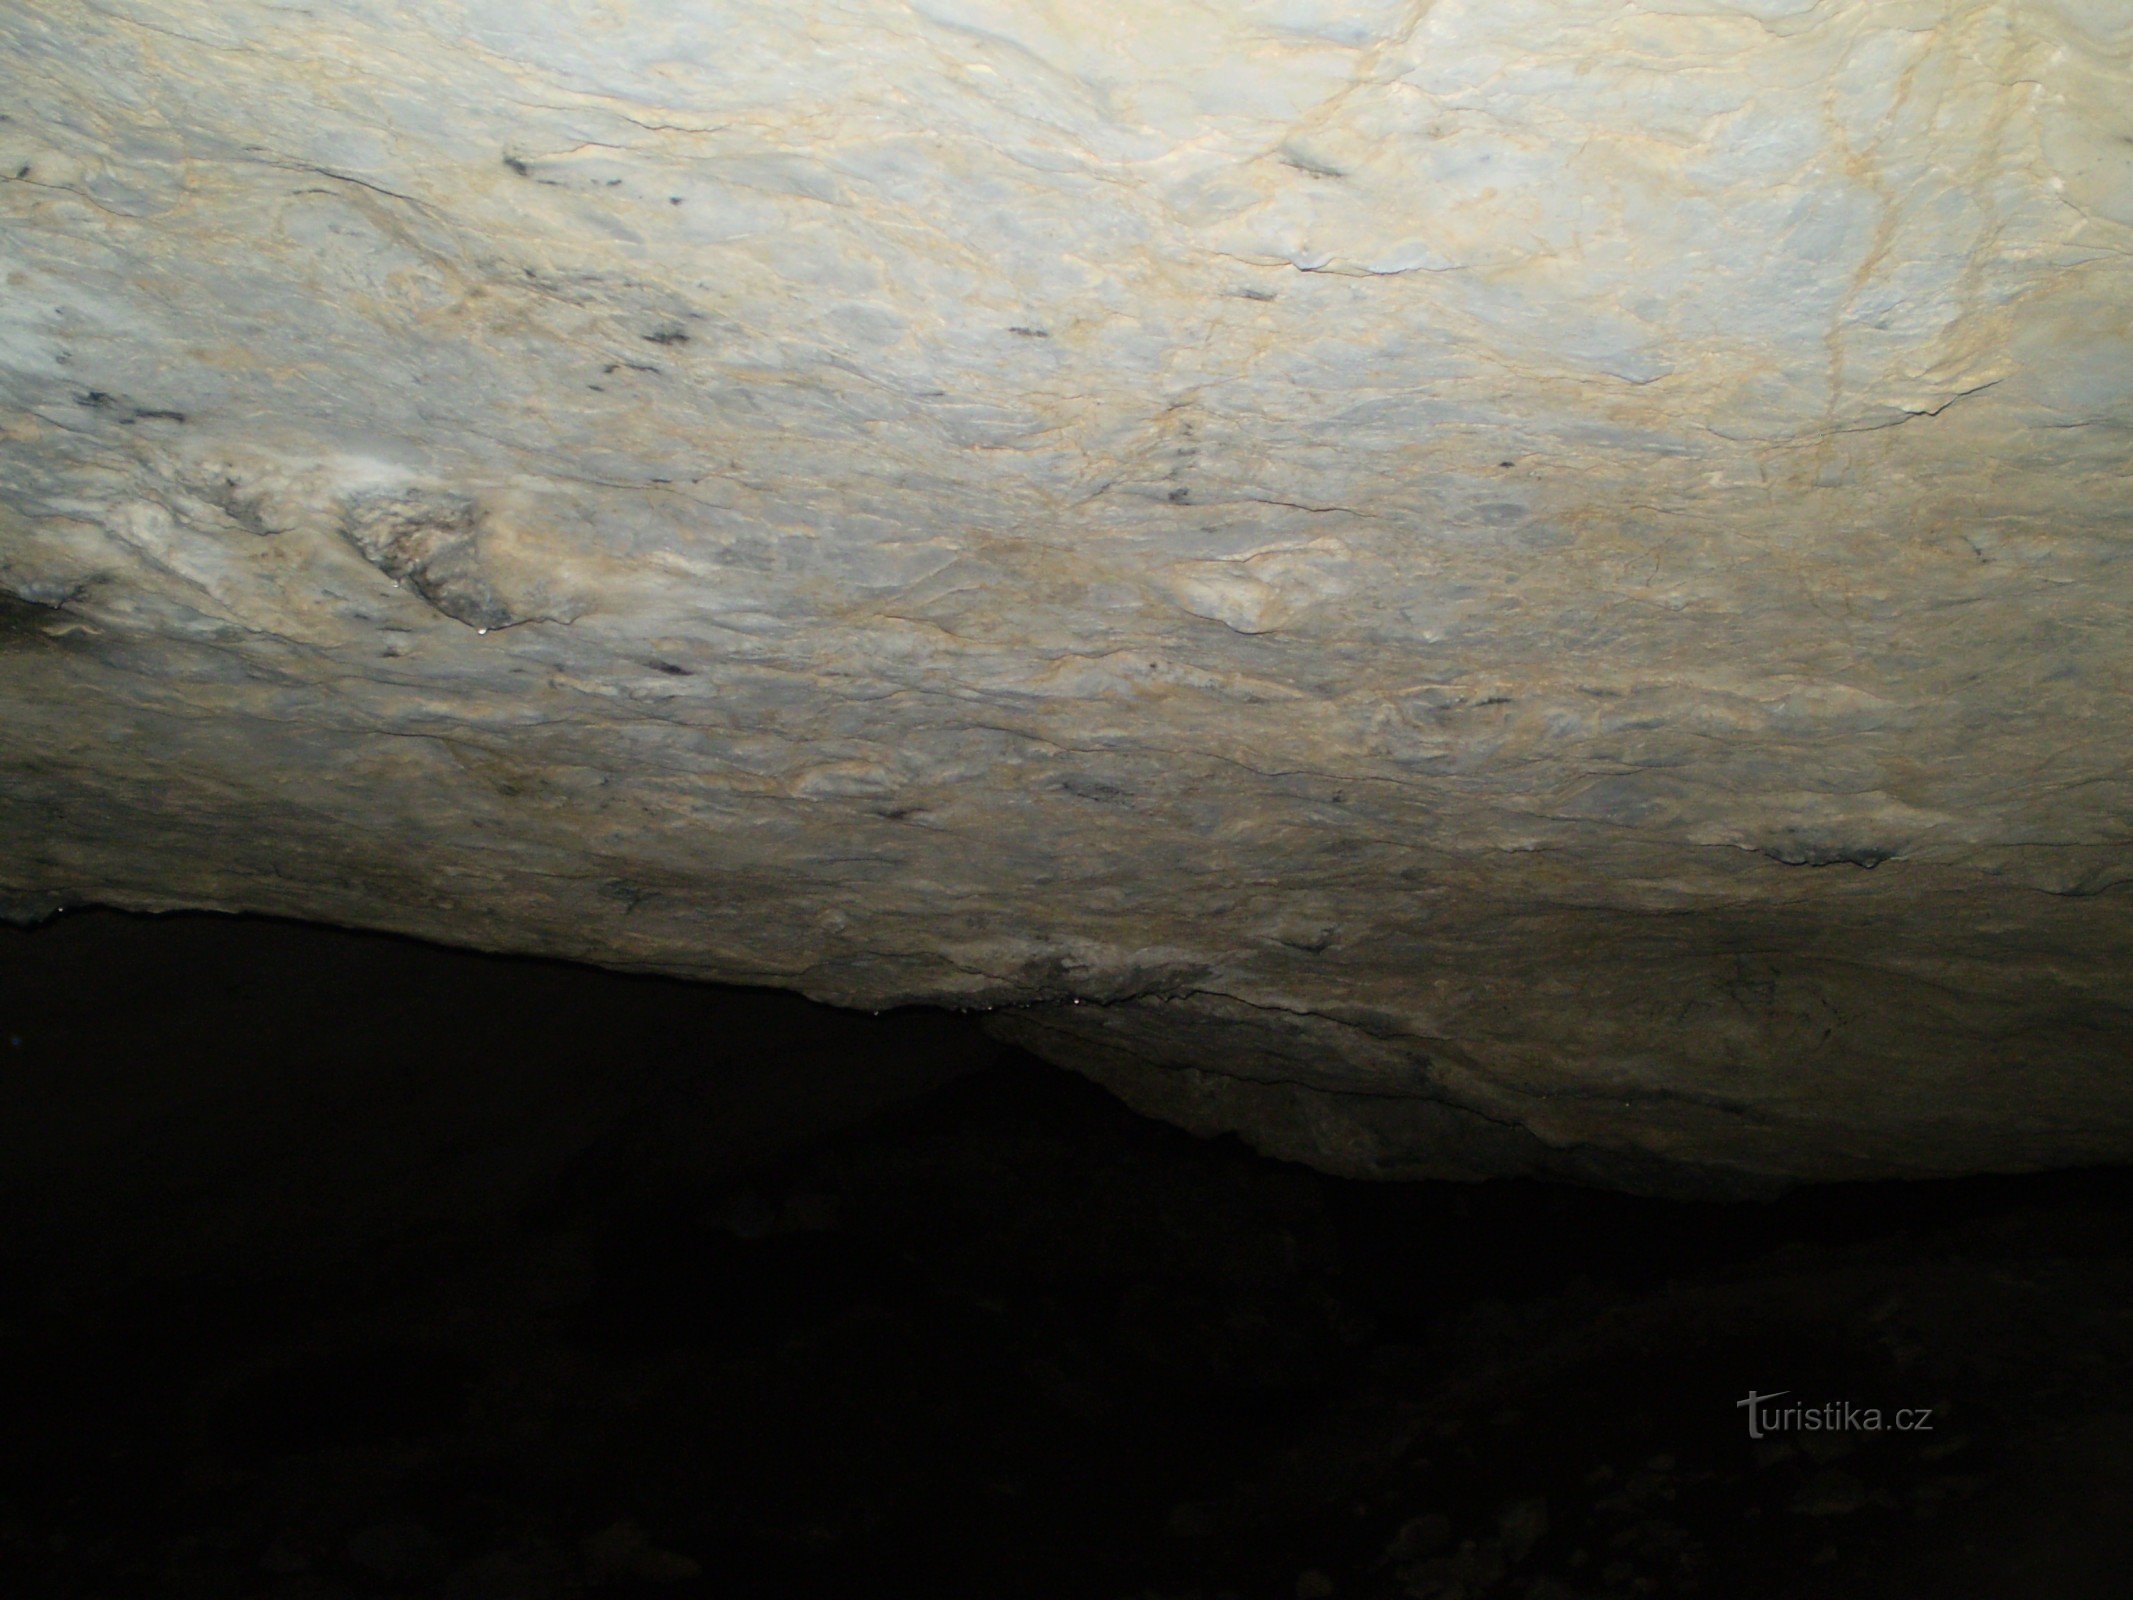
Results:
x,y
431,542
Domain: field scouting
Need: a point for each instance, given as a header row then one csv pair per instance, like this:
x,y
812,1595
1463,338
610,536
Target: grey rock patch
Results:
x,y
430,541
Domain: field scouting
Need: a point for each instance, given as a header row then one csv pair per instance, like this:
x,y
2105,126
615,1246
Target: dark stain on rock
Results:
x,y
1101,790
1030,333
98,400
1309,165
670,669
430,541
667,336
1793,853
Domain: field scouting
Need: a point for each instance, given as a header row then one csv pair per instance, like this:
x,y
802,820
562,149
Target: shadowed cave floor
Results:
x,y
335,1266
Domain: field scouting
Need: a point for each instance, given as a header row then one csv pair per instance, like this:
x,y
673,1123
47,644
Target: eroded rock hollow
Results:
x,y
1455,587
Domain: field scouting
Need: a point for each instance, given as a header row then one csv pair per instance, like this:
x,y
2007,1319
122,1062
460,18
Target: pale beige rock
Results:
x,y
1494,586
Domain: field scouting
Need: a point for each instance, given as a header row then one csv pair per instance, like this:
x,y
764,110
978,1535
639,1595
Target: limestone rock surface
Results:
x,y
1457,586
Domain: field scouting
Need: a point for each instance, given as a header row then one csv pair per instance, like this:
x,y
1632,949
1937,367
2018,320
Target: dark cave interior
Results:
x,y
335,1265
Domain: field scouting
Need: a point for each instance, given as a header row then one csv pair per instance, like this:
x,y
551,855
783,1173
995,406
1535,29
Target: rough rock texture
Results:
x,y
1458,587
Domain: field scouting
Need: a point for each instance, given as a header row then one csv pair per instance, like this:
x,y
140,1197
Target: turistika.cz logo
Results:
x,y
1831,1416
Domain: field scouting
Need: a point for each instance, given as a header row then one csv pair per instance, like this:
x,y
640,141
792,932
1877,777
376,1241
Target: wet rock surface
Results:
x,y
955,1324
1455,588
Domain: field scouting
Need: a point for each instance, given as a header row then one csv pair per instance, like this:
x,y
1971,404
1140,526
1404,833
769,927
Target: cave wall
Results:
x,y
1457,587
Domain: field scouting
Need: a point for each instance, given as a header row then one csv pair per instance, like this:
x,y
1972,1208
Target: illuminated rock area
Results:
x,y
1456,588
